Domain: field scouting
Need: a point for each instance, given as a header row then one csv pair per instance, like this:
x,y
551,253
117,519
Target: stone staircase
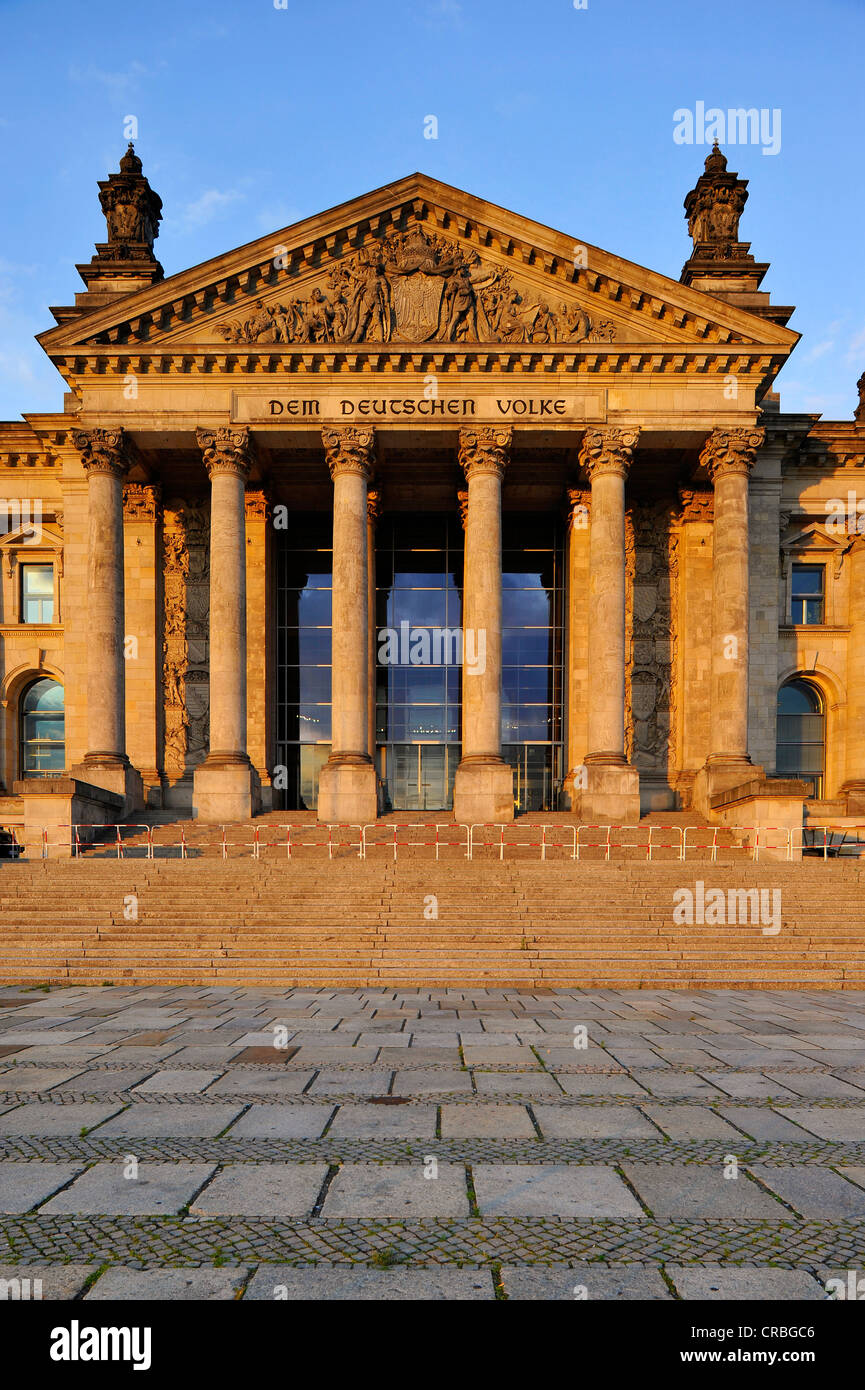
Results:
x,y
346,923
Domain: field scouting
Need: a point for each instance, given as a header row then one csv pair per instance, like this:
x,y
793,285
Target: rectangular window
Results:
x,y
37,593
808,598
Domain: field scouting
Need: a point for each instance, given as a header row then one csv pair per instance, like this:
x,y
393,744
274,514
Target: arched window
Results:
x,y
801,734
43,747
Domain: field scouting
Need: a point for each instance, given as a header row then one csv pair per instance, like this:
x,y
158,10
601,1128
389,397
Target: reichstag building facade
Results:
x,y
421,506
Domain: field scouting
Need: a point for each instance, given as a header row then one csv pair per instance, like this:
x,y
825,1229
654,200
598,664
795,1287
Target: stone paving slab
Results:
x,y
613,1121
241,1082
48,1282
714,1282
826,1124
426,1083
24,1080
522,1189
347,1083
274,1190
148,1120
761,1123
26,1185
368,1121
277,1282
691,1122
104,1190
700,1192
168,1285
593,1281
515,1084
392,1190
45,1119
470,1120
281,1122
814,1192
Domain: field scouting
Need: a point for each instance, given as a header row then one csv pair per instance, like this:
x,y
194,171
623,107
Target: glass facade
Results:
x,y
532,658
801,734
418,686
43,747
419,567
304,578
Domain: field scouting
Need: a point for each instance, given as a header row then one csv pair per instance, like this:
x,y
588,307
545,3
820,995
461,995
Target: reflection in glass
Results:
x,y
42,729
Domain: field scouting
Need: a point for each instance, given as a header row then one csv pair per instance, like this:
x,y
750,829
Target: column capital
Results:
x,y
142,501
485,449
608,451
225,449
734,451
103,451
349,449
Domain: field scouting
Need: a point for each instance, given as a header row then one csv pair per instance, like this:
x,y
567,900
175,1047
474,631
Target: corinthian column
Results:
x,y
728,457
612,785
347,786
226,787
484,784
105,458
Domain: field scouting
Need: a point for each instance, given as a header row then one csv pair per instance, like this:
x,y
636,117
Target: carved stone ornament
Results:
x,y
731,451
225,450
579,507
349,449
417,287
103,451
608,451
374,506
185,655
859,412
714,206
463,504
257,503
698,504
132,210
485,449
141,501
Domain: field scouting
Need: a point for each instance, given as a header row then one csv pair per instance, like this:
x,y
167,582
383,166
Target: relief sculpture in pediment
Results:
x,y
416,288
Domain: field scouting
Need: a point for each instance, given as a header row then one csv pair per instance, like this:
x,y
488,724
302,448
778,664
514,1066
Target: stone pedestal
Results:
x,y
347,791
224,791
484,783
764,813
226,786
58,808
612,790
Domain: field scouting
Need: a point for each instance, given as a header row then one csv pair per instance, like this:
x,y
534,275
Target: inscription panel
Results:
x,y
413,407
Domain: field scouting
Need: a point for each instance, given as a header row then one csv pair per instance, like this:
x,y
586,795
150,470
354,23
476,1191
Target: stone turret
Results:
x,y
721,264
125,262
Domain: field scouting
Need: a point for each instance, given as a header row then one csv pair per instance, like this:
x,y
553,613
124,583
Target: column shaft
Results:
x,y
483,789
729,456
855,760
347,787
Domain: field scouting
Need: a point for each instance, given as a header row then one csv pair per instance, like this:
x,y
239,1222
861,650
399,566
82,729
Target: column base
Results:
x,y
113,772
719,774
225,788
347,791
612,791
483,792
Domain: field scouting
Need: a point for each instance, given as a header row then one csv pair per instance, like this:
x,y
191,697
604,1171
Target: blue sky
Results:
x,y
252,116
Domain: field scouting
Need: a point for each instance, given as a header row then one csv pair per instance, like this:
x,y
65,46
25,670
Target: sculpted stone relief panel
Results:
x,y
417,287
651,551
186,567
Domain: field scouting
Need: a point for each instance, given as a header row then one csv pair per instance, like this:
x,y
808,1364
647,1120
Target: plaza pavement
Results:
x,y
158,1143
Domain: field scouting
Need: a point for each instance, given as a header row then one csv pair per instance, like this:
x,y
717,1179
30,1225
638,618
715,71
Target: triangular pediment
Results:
x,y
416,264
817,537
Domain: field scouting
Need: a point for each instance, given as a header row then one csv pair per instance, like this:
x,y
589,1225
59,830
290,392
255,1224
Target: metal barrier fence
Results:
x,y
521,840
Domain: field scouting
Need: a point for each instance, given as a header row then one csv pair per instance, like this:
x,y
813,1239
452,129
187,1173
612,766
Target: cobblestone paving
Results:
x,y
243,1143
